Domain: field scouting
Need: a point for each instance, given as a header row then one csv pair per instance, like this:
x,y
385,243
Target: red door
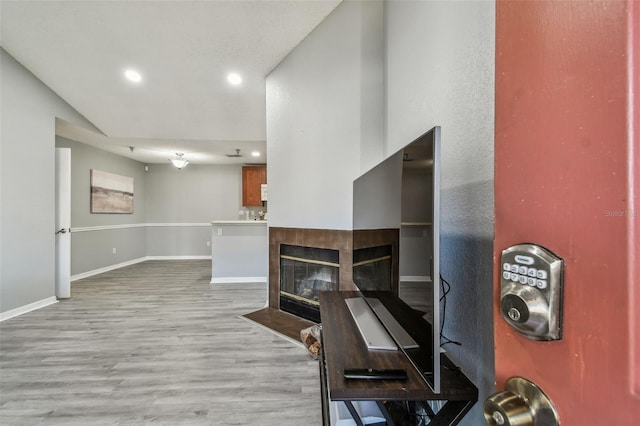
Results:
x,y
567,177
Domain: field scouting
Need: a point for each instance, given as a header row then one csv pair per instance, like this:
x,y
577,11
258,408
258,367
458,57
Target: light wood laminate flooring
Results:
x,y
154,343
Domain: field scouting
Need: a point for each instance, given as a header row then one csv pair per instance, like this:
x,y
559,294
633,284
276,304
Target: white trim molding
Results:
x,y
192,225
203,257
229,280
238,222
28,308
139,225
107,227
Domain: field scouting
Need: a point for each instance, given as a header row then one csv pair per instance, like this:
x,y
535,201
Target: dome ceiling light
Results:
x,y
179,162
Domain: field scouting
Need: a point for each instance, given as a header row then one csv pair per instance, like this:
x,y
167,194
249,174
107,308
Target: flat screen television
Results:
x,y
396,215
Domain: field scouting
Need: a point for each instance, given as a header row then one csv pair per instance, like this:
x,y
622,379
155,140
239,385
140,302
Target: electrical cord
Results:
x,y
443,299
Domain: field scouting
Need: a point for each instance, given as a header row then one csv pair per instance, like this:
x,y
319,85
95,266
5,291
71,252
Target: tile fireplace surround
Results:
x,y
344,241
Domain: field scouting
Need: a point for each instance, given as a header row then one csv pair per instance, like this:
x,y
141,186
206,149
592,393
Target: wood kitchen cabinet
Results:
x,y
252,178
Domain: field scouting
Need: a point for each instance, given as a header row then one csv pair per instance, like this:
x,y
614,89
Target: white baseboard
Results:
x,y
106,269
28,308
178,257
133,262
225,280
416,278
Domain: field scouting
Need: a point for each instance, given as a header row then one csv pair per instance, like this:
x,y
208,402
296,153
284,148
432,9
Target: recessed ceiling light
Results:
x,y
255,154
133,75
234,78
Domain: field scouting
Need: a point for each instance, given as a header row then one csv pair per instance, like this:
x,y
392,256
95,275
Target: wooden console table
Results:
x,y
343,347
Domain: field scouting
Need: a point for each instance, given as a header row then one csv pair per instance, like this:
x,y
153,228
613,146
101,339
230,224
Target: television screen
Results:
x,y
396,237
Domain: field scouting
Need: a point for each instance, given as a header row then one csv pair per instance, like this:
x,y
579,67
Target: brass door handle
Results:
x,y
522,403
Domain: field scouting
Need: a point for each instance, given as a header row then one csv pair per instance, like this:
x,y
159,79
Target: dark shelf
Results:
x,y
343,347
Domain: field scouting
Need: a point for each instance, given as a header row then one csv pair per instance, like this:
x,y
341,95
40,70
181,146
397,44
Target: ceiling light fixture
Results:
x,y
179,162
133,75
255,154
234,78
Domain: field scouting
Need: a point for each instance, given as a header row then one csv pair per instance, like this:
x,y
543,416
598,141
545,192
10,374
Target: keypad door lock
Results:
x,y
531,285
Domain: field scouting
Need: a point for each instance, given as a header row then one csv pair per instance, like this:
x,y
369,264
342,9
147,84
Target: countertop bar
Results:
x,y
239,251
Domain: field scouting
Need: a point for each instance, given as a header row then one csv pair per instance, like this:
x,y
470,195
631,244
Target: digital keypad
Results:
x,y
525,275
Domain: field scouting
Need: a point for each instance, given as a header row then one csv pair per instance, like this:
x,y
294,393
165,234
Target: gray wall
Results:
x,y
172,209
27,184
440,71
438,67
240,251
84,158
196,194
93,249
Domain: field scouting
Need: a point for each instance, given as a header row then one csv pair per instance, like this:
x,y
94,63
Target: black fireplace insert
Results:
x,y
304,273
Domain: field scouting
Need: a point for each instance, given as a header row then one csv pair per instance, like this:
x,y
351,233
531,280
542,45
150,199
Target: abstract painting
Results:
x,y
111,193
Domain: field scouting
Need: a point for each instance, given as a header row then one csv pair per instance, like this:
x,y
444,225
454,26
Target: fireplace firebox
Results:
x,y
372,268
304,273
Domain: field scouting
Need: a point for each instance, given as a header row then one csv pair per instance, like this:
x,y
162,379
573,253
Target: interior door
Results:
x,y
566,165
63,223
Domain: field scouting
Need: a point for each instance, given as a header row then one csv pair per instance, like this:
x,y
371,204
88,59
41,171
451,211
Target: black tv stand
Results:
x,y
343,348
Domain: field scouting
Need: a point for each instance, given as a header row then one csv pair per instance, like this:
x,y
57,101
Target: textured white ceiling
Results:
x,y
184,50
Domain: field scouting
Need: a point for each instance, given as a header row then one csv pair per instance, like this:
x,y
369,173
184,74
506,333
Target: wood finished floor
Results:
x,y
154,343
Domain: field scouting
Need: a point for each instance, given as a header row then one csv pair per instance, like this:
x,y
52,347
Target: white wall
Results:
x,y
323,104
440,71
27,183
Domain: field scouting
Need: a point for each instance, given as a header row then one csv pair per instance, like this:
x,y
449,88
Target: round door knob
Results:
x,y
507,409
522,403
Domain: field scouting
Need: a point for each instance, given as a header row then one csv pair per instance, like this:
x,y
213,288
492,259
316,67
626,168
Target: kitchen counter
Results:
x,y
239,251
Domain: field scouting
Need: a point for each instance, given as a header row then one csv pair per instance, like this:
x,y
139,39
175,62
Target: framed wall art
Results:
x,y
111,193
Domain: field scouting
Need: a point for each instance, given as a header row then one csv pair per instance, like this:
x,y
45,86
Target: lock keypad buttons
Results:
x,y
519,273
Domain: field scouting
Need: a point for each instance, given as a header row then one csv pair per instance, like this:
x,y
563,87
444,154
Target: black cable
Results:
x,y
444,291
443,299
